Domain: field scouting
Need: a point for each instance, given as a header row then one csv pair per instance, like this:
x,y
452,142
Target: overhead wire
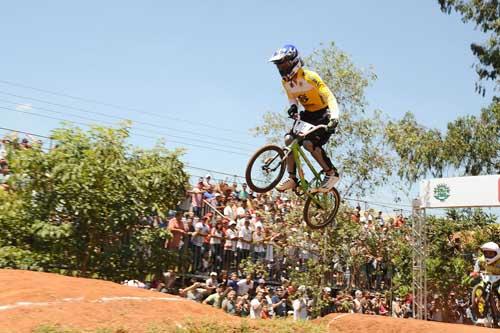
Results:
x,y
115,106
136,134
102,114
136,128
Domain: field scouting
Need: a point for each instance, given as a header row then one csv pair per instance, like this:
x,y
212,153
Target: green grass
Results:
x,y
206,326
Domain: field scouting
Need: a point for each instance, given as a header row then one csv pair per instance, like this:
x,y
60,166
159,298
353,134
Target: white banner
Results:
x,y
460,192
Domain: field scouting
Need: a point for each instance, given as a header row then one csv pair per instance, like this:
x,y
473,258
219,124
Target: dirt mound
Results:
x,y
31,299
357,323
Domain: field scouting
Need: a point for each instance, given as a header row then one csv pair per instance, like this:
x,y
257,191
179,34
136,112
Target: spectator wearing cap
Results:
x,y
230,245
211,283
261,286
176,227
215,298
207,182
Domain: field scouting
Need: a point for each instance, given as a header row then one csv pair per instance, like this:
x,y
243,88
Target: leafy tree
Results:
x,y
470,145
486,15
359,148
81,205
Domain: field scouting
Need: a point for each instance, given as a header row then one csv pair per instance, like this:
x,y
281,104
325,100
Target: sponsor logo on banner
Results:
x,y
441,192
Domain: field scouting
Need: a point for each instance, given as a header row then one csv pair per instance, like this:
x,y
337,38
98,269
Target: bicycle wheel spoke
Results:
x,y
320,208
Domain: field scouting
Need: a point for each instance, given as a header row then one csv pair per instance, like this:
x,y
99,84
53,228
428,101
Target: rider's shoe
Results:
x,y
329,182
287,184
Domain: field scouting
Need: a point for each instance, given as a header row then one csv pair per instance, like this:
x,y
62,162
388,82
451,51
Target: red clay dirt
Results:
x,y
31,299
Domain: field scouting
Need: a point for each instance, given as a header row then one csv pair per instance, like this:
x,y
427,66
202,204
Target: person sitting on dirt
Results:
x,y
320,107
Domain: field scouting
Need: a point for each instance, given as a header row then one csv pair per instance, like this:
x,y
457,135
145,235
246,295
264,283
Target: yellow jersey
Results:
x,y
308,89
493,268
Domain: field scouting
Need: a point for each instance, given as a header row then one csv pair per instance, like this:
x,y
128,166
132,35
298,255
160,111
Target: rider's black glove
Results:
x,y
292,111
332,125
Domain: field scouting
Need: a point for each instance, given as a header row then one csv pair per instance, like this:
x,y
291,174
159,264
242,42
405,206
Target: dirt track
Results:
x,y
30,299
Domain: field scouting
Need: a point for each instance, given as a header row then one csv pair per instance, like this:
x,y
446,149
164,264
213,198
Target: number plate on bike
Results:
x,y
302,127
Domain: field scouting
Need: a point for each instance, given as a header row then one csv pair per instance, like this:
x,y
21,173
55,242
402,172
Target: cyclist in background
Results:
x,y
320,107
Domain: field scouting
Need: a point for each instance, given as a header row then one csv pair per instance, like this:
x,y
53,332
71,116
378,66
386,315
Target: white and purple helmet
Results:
x,y
287,60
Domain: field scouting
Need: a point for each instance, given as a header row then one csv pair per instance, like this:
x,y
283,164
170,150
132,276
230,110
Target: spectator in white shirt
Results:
x,y
300,304
256,306
259,251
244,241
230,245
245,285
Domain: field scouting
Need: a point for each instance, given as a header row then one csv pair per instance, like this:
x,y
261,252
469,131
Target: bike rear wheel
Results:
x,y
265,168
321,208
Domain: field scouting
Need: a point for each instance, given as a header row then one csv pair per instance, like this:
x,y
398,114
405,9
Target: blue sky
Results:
x,y
206,61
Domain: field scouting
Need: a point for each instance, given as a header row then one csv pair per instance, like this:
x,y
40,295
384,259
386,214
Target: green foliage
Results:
x,y
452,242
486,15
358,148
79,207
470,145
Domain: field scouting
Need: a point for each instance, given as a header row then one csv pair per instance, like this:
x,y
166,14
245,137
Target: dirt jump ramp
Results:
x,y
29,300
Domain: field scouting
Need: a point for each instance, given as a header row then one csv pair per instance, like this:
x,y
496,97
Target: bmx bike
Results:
x,y
269,163
485,304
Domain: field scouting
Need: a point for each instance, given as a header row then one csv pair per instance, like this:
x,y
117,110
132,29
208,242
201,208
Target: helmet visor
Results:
x,y
489,254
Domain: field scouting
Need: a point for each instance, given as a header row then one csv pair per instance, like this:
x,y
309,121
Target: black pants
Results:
x,y
228,259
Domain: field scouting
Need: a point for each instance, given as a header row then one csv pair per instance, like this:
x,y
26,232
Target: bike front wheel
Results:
x,y
321,208
265,168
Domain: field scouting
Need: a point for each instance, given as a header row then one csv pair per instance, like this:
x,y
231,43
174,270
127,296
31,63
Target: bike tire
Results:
x,y
495,306
330,217
479,317
248,172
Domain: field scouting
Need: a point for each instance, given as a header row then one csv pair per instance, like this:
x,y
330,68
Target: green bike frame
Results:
x,y
298,154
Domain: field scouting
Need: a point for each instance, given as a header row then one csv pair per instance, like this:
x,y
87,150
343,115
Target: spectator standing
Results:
x,y
230,245
176,227
259,251
197,198
229,212
379,219
244,241
201,230
216,236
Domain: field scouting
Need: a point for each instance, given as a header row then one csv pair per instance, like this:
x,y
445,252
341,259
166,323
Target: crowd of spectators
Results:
x,y
221,227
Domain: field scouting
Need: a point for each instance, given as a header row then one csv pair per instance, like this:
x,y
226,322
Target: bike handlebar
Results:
x,y
315,128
